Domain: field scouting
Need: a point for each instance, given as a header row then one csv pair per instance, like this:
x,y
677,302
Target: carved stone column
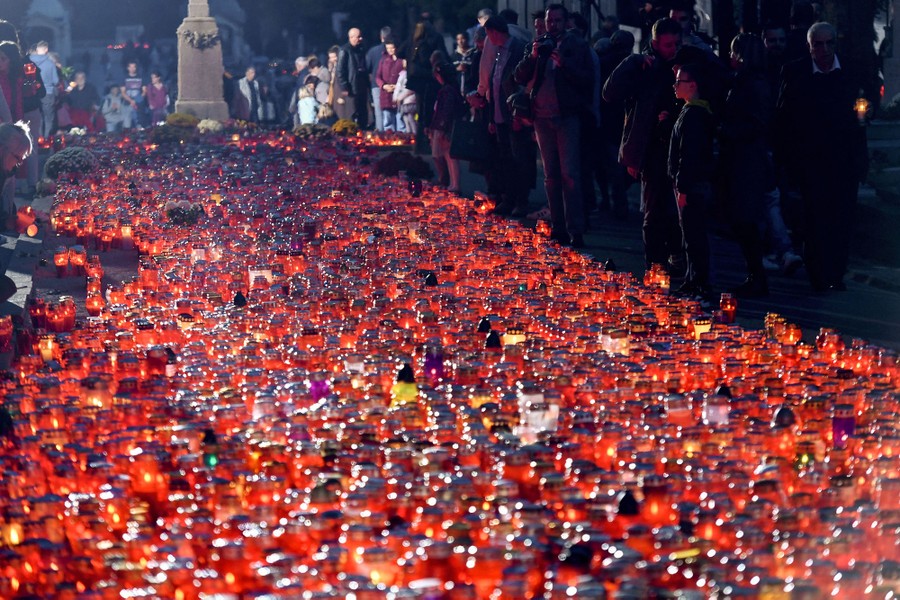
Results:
x,y
200,66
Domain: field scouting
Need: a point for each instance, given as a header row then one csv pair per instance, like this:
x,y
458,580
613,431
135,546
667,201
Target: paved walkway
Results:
x,y
868,310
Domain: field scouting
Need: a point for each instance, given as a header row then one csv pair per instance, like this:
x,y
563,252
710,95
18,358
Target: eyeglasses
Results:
x,y
677,81
822,43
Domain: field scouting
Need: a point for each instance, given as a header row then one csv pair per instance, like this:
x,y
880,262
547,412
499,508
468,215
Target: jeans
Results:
x,y
778,233
390,120
559,141
48,108
380,124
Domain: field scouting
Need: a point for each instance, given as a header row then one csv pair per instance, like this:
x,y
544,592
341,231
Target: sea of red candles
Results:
x,y
330,386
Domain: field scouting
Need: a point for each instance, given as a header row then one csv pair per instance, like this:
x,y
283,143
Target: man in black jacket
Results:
x,y
822,145
513,138
354,77
560,71
643,82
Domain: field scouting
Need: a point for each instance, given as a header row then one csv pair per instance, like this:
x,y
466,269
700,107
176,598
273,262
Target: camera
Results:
x,y
545,45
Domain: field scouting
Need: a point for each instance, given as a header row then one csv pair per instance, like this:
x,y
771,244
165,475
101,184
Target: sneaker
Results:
x,y
677,265
540,215
560,237
790,262
686,290
504,208
770,263
519,211
752,287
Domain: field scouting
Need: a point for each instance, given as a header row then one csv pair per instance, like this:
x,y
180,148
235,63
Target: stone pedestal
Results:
x,y
892,63
200,66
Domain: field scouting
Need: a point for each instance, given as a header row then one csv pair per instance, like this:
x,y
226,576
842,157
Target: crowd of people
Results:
x,y
761,136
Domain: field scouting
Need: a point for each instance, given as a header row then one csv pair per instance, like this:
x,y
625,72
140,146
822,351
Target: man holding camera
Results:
x,y
560,72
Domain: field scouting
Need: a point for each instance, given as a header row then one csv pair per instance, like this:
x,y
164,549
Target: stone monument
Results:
x,y
200,66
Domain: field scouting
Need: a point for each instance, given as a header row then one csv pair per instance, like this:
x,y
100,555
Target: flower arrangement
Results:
x,y
75,160
201,40
345,127
179,119
210,126
239,126
391,164
312,132
183,212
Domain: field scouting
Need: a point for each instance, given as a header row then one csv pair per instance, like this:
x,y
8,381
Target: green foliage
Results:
x,y
170,134
179,119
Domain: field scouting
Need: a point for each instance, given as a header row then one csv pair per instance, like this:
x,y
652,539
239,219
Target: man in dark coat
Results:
x,y
513,138
822,144
643,82
373,58
559,69
354,77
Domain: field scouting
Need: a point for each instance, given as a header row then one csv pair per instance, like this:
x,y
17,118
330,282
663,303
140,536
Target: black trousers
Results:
x,y
694,218
662,234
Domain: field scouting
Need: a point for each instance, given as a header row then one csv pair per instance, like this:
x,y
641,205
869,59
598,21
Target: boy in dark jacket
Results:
x,y
690,167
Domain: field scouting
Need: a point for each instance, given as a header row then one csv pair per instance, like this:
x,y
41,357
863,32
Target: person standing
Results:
x,y
643,83
405,100
448,107
248,104
747,173
560,72
388,72
50,78
373,59
157,98
419,67
134,90
611,176
690,167
822,144
307,104
354,77
512,139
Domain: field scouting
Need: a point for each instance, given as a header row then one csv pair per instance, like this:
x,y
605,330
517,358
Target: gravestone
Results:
x,y
200,66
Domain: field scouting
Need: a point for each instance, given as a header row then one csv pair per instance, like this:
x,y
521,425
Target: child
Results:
x,y
307,105
690,168
405,99
448,107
